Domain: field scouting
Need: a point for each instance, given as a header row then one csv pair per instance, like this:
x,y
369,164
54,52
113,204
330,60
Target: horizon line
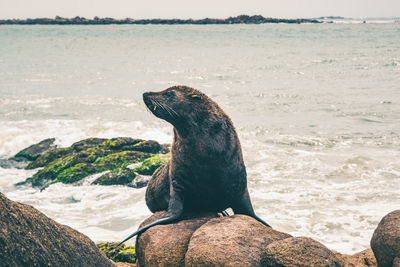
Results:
x,y
190,18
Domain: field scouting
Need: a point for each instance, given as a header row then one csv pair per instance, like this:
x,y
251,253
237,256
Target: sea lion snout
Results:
x,y
146,95
147,100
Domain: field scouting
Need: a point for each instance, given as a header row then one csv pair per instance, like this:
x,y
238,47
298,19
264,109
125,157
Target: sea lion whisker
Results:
x,y
162,106
167,108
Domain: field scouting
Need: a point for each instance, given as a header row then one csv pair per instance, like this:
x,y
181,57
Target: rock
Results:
x,y
236,240
87,143
385,241
299,251
166,245
364,258
117,253
95,155
121,176
140,181
396,262
125,264
34,151
147,147
149,165
29,238
49,157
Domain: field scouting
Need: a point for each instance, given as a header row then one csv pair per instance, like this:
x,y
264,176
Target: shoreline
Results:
x,y
242,19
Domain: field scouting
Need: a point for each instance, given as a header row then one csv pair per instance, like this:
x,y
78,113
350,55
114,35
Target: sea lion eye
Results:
x,y
169,93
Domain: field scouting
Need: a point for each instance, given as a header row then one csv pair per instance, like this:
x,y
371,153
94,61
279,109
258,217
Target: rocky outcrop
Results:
x,y
299,251
205,240
29,238
385,241
237,240
96,155
242,19
166,245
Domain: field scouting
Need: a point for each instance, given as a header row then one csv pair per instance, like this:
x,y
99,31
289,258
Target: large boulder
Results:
x,y
29,238
385,241
299,251
364,258
236,240
166,245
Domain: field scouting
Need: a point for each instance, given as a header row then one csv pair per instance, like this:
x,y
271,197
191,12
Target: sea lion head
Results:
x,y
179,105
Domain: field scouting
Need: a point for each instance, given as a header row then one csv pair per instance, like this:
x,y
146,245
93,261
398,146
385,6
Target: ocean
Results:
x,y
316,107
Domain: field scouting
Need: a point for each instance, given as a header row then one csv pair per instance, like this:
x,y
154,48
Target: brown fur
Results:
x,y
206,171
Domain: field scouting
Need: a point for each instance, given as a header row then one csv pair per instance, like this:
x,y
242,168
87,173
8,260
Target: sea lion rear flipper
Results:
x,y
244,206
173,214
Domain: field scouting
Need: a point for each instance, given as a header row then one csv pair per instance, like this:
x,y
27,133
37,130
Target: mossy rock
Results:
x,y
122,253
120,176
75,167
87,143
92,148
149,165
48,157
90,156
34,151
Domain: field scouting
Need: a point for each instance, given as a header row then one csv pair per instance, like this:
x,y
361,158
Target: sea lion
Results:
x,y
206,171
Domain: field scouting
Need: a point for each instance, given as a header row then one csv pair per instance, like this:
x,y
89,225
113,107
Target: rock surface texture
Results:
x,y
237,240
299,251
364,258
29,238
166,245
385,241
213,240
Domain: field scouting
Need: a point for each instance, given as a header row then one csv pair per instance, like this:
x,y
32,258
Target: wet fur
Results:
x,y
206,169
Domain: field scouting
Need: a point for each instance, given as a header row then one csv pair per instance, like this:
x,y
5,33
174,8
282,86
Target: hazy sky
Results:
x,y
198,9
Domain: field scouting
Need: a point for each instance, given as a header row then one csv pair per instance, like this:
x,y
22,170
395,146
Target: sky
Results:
x,y
198,9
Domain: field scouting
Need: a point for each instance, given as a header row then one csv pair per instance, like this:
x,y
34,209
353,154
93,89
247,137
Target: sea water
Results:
x,y
316,107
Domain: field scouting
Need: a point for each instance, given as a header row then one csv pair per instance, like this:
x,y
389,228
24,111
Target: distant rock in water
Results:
x,y
29,238
96,155
242,19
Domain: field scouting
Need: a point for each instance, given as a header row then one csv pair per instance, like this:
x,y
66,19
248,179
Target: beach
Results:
x,y
316,107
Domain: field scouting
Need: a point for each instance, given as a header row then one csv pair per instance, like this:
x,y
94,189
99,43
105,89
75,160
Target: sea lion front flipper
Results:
x,y
244,206
173,214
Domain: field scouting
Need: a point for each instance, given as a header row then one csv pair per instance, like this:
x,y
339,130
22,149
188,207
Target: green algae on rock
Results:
x,y
149,165
94,155
117,253
48,157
